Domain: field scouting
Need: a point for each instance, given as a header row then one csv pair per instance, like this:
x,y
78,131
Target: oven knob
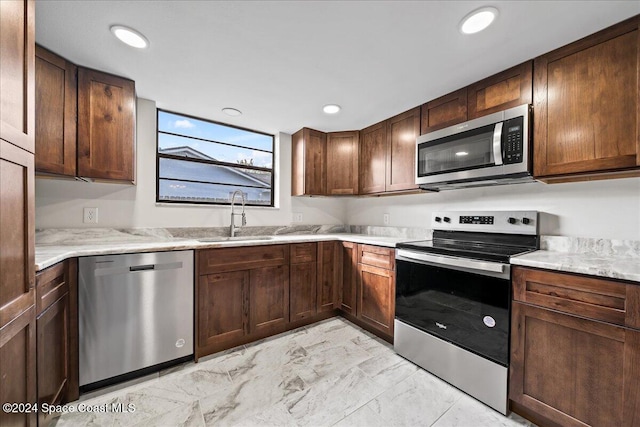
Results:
x,y
438,219
511,220
526,221
447,219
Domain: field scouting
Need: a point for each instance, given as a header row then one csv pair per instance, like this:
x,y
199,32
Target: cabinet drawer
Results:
x,y
242,258
302,252
51,285
377,256
590,297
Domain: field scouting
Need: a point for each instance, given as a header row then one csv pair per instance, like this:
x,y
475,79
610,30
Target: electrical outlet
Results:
x,y
385,219
90,216
297,217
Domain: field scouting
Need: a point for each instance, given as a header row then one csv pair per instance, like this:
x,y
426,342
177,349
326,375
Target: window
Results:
x,y
200,161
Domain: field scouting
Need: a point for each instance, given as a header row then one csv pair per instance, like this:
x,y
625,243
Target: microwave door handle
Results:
x,y
497,143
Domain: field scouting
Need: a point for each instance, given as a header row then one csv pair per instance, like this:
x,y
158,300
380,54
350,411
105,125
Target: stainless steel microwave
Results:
x,y
490,150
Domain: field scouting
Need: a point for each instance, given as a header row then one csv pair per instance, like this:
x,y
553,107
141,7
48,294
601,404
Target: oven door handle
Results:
x,y
493,267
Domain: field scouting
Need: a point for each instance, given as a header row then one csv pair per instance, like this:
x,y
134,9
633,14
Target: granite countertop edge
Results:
x,y
47,255
593,264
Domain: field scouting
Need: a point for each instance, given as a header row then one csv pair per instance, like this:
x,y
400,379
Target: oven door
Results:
x,y
462,301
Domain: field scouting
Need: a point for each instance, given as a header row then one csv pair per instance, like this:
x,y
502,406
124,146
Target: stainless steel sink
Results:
x,y
234,239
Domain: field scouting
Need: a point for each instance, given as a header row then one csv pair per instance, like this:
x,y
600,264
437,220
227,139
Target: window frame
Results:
x,y
212,162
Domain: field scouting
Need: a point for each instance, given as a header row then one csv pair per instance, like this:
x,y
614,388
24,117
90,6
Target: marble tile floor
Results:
x,y
330,373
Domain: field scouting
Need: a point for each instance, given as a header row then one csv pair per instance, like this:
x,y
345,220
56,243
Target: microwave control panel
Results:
x,y
512,141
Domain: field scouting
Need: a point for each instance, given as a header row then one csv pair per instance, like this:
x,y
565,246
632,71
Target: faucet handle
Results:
x,y
244,219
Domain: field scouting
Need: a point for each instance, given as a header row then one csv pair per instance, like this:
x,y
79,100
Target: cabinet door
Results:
x,y
56,108
445,111
572,370
303,290
504,90
18,367
586,104
222,309
17,229
269,299
349,273
309,163
53,356
376,297
329,274
373,158
342,162
17,70
106,126
402,131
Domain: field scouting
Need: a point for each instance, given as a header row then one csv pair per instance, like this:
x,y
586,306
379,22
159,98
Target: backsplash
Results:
x,y
582,245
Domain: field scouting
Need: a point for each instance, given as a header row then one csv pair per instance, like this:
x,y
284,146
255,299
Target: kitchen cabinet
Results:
x,y
586,106
575,349
387,154
56,110
376,288
106,126
329,275
56,342
303,281
17,219
242,295
309,163
342,163
501,91
373,158
445,111
348,284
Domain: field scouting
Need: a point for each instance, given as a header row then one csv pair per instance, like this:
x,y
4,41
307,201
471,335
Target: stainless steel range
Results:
x,y
453,296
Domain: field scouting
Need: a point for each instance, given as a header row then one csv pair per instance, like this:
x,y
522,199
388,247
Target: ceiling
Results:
x,y
280,62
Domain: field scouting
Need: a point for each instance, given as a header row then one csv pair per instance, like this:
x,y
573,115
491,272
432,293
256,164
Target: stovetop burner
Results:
x,y
488,236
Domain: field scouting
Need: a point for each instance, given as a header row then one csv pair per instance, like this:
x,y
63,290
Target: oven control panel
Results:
x,y
476,219
509,222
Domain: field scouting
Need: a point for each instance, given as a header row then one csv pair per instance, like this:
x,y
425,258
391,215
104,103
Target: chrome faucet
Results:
x,y
233,228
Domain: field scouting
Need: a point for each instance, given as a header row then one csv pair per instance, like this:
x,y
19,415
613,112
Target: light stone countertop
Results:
x,y
50,254
615,259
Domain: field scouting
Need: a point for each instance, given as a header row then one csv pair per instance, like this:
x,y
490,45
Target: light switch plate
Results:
x,y
90,216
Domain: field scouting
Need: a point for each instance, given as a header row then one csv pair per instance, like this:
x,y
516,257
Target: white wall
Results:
x,y
60,203
599,209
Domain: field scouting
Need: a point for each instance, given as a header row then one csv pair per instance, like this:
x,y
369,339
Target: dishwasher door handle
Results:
x,y
138,268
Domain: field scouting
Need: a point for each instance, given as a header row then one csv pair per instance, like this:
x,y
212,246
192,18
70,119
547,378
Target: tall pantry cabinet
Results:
x,y
17,227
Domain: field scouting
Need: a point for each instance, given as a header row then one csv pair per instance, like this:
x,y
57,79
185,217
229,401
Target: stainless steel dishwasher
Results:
x,y
135,313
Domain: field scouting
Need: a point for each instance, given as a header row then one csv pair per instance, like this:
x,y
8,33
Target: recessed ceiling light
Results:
x,y
331,108
478,20
232,112
461,153
129,36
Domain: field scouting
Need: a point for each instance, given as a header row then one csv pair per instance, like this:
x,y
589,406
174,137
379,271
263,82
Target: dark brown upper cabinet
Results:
x,y
586,106
402,131
501,91
445,111
342,163
106,126
387,154
373,158
308,163
56,109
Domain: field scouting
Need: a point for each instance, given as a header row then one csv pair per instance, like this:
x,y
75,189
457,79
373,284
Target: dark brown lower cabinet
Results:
x,y
302,299
268,299
329,273
223,300
18,367
57,332
349,278
571,371
376,298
